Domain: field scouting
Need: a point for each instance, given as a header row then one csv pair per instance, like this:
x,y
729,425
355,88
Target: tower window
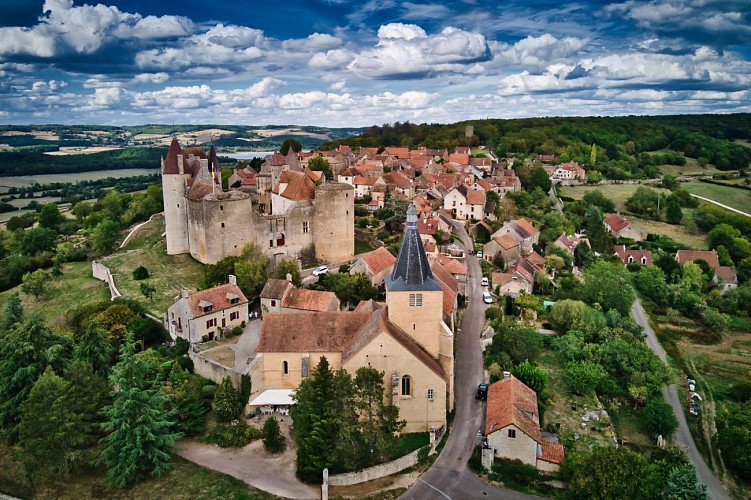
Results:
x,y
430,394
406,385
222,224
178,205
305,227
285,368
221,207
415,300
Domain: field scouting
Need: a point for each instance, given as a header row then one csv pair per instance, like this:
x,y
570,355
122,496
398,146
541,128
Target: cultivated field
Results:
x,y
28,180
740,199
70,150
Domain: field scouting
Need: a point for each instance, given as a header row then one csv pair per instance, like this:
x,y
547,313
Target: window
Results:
x,y
406,385
221,207
415,300
222,224
234,300
211,323
512,433
207,308
273,303
178,205
430,394
305,227
285,368
234,315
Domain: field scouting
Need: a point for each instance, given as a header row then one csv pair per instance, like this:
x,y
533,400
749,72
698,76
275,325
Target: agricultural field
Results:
x,y
28,180
619,193
168,273
740,199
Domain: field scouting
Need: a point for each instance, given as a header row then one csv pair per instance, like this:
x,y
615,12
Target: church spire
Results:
x,y
412,269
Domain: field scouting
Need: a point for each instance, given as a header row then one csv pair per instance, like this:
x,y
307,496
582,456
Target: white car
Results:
x,y
487,298
484,281
479,255
320,270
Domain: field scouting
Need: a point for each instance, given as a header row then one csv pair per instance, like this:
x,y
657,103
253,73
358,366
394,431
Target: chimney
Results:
x,y
289,277
232,279
184,293
506,375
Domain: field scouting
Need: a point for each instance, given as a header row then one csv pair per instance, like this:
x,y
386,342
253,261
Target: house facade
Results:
x,y
620,227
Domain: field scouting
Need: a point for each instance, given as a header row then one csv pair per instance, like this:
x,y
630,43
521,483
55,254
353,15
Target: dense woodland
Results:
x,y
31,163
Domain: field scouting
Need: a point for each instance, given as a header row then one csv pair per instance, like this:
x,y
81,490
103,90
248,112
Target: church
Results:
x,y
406,338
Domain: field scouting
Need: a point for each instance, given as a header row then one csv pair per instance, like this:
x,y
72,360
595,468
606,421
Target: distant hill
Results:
x,y
619,141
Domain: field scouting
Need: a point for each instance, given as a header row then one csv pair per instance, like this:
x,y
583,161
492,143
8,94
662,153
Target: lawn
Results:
x,y
740,199
362,247
682,234
186,481
690,168
619,193
168,273
76,287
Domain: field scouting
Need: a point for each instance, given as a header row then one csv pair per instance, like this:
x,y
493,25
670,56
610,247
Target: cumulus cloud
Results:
x,y
160,77
406,50
64,27
314,42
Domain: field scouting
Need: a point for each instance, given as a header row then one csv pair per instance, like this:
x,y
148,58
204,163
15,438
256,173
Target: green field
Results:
x,y
28,180
619,193
740,199
690,168
691,238
169,273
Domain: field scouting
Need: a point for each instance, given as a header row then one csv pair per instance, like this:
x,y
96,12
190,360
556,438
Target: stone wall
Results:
x,y
375,472
212,370
102,272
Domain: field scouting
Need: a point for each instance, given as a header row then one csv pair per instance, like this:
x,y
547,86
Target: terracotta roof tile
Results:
x,y
524,228
506,241
536,260
217,296
378,260
308,300
309,331
170,162
616,222
512,402
726,274
452,265
476,197
710,256
299,187
551,452
275,288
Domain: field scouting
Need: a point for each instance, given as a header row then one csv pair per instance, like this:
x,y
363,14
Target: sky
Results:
x,y
339,63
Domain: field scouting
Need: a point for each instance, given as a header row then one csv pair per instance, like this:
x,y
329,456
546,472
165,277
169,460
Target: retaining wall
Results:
x,y
212,370
375,472
102,272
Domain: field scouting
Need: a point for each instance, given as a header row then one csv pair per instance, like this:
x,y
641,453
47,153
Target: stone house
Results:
x,y
569,243
273,292
506,246
407,339
643,257
465,203
519,280
282,296
568,171
725,277
457,269
200,316
376,265
620,227
523,232
512,426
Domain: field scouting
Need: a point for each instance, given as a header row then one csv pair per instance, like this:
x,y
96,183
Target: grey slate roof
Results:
x,y
412,269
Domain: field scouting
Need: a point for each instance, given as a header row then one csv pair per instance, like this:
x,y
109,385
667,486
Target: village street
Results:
x,y
683,437
449,476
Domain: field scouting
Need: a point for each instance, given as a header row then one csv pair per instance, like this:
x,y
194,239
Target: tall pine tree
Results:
x,y
141,438
378,422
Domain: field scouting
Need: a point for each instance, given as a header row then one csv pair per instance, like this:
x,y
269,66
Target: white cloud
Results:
x,y
160,77
335,59
338,85
313,43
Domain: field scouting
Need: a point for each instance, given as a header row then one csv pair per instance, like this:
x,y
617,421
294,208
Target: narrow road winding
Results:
x,y
449,476
683,438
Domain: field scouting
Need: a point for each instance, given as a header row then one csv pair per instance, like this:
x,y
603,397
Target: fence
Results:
x,y
102,272
375,472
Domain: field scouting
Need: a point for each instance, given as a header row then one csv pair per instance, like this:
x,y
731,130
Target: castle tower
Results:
x,y
174,185
414,298
334,222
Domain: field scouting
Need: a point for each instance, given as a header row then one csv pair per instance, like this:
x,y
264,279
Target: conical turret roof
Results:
x,y
412,269
170,162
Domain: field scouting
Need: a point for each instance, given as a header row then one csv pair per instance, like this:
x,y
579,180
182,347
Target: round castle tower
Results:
x,y
334,222
174,182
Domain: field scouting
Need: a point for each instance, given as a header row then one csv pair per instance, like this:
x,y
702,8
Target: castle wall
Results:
x,y
219,227
334,222
296,229
175,213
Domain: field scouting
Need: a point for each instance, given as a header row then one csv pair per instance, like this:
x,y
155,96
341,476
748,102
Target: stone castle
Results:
x,y
285,210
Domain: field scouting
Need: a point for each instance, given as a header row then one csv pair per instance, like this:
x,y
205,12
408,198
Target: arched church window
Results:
x,y
406,385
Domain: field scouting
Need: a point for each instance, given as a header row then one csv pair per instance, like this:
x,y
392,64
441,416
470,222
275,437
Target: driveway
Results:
x,y
449,476
683,438
273,473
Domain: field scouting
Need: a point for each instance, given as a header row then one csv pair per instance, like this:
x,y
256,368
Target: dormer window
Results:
x,y
206,306
232,298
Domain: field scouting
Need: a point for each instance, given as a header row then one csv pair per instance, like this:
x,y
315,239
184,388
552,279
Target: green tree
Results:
x,y
250,270
650,282
289,266
518,342
38,239
13,312
659,417
50,431
598,235
539,178
133,451
533,377
350,288
105,236
582,377
95,348
227,403
593,155
682,484
26,351
321,164
147,290
379,423
644,201
140,273
273,440
611,473
245,387
673,212
609,285
50,217
216,274
293,143
186,400
734,437
35,283
597,199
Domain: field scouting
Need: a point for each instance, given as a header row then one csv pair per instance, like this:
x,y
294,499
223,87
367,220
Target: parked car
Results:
x,y
487,298
482,392
479,255
320,270
484,281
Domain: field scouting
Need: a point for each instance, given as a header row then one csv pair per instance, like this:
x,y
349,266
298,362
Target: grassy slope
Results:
x,y
740,199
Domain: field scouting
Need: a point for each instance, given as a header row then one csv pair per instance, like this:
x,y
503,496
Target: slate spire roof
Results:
x,y
412,269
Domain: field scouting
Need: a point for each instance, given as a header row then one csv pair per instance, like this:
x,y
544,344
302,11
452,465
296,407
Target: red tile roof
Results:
x,y
512,402
427,225
275,288
536,260
616,222
726,274
170,162
398,152
309,331
308,300
524,228
506,241
299,186
710,256
378,260
636,255
475,197
219,297
452,265
551,452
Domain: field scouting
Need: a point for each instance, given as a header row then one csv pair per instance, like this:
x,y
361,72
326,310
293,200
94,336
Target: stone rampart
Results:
x,y
102,272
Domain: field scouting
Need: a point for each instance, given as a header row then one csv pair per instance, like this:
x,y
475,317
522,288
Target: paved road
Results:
x,y
449,476
683,437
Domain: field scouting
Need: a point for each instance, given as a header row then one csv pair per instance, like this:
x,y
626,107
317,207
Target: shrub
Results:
x,y
238,330
273,440
208,391
185,363
233,436
494,312
660,418
227,403
140,273
514,473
